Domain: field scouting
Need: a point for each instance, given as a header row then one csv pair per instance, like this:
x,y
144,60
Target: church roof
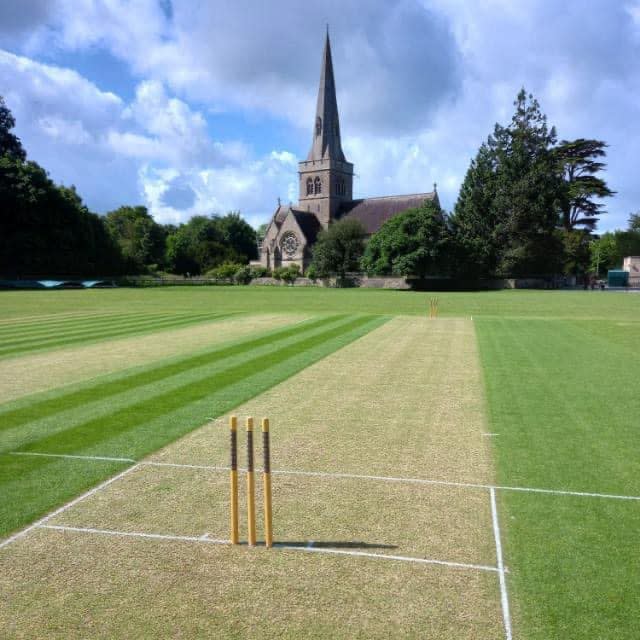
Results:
x,y
308,223
326,135
374,212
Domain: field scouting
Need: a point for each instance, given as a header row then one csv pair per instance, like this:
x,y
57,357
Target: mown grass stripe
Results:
x,y
111,334
29,489
130,417
37,410
89,328
46,329
79,320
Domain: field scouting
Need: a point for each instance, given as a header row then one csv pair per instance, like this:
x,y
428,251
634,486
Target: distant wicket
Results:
x,y
266,480
433,307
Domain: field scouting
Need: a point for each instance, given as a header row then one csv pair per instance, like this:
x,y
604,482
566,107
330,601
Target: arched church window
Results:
x,y
309,186
317,185
318,126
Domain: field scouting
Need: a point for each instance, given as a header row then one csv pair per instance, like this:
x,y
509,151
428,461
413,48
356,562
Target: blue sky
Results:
x,y
193,107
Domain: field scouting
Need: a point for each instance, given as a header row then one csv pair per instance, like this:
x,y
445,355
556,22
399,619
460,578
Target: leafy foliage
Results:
x,y
45,229
608,251
338,249
506,217
10,144
140,238
414,242
204,243
579,160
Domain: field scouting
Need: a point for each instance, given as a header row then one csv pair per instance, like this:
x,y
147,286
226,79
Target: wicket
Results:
x,y
266,480
433,307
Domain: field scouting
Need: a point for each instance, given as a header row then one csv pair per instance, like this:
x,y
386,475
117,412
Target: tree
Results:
x,y
506,215
238,234
634,222
473,223
45,229
140,237
9,143
577,252
338,249
579,163
199,246
412,243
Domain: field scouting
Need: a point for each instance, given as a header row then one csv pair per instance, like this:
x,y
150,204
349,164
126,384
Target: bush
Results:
x,y
287,274
225,271
291,274
258,271
312,273
243,275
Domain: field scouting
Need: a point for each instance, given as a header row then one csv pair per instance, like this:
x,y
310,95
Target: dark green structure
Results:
x,y
618,278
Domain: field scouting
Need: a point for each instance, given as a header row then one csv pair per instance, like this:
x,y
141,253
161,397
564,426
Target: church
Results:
x,y
325,190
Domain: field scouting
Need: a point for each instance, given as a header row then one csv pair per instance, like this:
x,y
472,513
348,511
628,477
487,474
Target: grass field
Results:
x,y
473,476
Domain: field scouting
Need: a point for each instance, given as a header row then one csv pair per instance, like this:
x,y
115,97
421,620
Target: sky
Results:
x,y
203,106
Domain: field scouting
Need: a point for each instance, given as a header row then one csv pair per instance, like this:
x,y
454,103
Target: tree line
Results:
x,y
528,206
46,229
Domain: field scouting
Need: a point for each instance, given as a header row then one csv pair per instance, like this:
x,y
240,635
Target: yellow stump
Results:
x,y
266,482
251,487
233,483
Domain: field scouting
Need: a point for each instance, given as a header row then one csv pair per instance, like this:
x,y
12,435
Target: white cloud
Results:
x,y
156,150
420,85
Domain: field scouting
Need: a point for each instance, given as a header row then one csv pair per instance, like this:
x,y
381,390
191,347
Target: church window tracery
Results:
x,y
290,244
317,186
309,186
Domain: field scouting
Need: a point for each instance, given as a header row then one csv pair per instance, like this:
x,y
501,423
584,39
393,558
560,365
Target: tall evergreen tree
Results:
x,y
506,214
580,162
473,221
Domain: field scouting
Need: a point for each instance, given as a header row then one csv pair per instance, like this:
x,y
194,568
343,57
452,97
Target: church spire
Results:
x,y
326,132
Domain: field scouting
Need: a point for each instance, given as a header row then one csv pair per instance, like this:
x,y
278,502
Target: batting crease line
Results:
x,y
68,455
328,474
504,598
447,483
66,506
342,552
133,534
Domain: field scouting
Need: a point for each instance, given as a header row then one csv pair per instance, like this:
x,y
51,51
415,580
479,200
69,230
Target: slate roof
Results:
x,y
374,212
308,223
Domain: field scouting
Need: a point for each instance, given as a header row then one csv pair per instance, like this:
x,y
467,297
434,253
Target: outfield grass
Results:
x,y
571,305
563,396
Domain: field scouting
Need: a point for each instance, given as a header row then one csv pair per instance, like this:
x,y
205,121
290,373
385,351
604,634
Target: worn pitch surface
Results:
x,y
380,406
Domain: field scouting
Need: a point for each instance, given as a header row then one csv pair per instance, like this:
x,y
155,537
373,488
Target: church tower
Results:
x,y
326,178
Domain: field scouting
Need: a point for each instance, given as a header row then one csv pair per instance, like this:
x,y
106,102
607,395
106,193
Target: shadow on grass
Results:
x,y
335,544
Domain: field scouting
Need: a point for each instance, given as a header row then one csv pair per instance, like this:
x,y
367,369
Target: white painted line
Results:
x,y
66,506
204,536
506,616
560,492
384,556
356,476
132,534
206,467
68,455
490,434
308,548
342,552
